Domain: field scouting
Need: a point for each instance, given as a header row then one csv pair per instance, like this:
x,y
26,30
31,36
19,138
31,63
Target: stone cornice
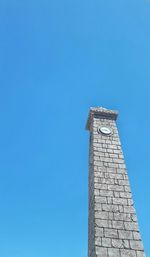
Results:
x,y
100,112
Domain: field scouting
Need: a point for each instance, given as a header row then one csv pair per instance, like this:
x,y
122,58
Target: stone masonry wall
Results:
x,y
112,224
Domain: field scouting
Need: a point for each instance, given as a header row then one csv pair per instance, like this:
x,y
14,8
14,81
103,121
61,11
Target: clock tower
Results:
x,y
112,223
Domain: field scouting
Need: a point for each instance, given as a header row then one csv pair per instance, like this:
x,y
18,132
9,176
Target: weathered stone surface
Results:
x,y
136,245
112,233
119,243
124,234
106,242
127,253
112,252
101,252
140,254
112,226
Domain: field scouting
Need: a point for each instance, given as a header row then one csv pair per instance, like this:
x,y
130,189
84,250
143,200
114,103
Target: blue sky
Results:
x,y
58,58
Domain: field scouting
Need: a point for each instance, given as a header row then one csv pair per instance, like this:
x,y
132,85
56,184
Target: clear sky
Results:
x,y
58,58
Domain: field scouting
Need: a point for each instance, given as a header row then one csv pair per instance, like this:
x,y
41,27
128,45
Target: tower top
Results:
x,y
100,112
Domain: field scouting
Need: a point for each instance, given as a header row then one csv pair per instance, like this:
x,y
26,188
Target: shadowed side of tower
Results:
x,y
112,224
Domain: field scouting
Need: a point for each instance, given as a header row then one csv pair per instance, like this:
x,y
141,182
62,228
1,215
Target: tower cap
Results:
x,y
102,113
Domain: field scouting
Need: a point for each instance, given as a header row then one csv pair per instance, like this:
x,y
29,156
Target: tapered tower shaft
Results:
x,y
112,224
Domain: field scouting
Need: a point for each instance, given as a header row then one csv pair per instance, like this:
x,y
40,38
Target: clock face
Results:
x,y
105,130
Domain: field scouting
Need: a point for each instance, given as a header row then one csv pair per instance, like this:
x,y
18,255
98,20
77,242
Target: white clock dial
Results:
x,y
105,130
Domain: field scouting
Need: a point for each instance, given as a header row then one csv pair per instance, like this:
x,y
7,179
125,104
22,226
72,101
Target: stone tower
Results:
x,y
112,224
